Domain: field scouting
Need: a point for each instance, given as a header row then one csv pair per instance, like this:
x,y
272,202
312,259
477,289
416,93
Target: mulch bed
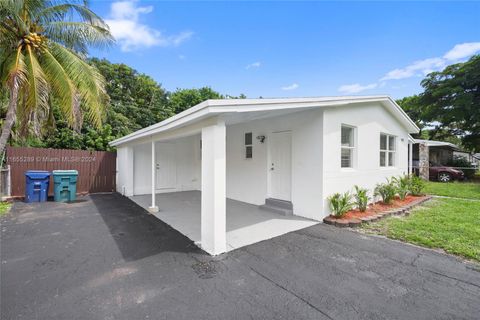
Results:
x,y
376,211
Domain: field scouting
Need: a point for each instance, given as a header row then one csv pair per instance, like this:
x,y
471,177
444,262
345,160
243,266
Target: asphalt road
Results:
x,y
104,257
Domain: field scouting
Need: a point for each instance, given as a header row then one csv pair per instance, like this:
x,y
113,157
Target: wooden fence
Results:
x,y
96,169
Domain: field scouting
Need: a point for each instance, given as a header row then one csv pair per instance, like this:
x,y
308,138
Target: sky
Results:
x,y
291,49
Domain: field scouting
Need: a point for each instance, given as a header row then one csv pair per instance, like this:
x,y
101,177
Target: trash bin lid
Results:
x,y
65,172
37,174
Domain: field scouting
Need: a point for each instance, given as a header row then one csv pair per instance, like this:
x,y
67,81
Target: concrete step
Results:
x,y
282,207
279,203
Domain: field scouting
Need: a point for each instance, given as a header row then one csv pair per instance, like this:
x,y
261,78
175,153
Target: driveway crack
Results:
x,y
453,278
278,285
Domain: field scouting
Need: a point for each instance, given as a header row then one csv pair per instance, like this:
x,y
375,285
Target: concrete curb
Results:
x,y
356,222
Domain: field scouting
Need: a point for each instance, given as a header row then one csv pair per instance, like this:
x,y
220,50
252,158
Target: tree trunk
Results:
x,y
10,118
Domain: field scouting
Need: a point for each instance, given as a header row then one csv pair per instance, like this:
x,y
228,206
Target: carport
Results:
x,y
188,188
245,223
185,173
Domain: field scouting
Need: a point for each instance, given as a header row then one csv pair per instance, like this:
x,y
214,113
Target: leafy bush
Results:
x,y
464,165
402,184
386,191
416,185
340,204
361,198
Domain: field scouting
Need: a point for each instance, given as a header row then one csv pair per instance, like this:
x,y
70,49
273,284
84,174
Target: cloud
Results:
x,y
418,68
463,50
293,86
356,88
253,65
424,67
131,34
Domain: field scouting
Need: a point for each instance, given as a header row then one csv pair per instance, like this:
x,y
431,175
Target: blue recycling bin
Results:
x,y
65,185
36,185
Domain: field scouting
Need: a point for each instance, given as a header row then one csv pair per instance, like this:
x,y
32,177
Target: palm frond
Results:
x,y
13,69
68,11
11,21
78,35
62,86
89,83
38,88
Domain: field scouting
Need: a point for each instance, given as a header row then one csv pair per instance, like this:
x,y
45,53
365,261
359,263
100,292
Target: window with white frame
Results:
x,y
248,145
387,150
348,146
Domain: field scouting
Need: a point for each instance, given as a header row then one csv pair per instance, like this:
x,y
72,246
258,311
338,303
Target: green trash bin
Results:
x,y
65,185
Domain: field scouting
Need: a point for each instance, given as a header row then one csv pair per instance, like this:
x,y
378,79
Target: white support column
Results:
x,y
153,208
410,158
213,221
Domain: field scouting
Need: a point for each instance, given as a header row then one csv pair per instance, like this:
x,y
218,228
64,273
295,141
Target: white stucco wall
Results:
x,y
247,179
124,183
187,159
369,121
316,171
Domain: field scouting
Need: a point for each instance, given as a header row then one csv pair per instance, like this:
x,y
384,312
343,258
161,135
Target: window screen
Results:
x,y
348,146
387,150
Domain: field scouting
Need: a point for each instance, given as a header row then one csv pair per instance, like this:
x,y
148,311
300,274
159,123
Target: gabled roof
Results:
x,y
229,106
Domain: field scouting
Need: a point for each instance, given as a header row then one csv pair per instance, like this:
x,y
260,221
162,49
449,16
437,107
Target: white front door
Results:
x,y
165,166
280,165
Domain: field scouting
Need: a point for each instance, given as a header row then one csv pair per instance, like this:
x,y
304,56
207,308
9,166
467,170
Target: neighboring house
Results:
x,y
442,152
476,159
287,153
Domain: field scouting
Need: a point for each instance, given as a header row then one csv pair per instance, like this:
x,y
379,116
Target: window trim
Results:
x,y
353,149
387,151
246,146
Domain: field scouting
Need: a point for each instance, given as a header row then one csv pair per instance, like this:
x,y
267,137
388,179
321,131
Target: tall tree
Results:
x,y
183,99
43,45
136,100
451,101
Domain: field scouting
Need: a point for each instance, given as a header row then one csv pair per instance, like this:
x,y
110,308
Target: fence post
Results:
x,y
9,181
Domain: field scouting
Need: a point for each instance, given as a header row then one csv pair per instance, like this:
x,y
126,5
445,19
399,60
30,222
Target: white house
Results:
x,y
287,155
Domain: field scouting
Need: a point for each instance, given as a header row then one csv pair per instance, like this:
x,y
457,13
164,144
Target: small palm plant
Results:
x,y
361,198
416,185
386,191
43,45
340,204
402,185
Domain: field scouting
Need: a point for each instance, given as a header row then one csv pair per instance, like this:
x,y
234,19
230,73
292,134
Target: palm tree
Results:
x,y
43,45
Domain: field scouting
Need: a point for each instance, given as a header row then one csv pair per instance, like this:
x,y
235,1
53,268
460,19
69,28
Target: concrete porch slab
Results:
x,y
246,223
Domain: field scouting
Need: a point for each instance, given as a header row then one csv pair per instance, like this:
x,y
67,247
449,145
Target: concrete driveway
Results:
x,y
106,258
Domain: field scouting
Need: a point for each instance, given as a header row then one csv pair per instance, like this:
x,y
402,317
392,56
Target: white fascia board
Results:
x,y
411,125
411,139
216,107
170,123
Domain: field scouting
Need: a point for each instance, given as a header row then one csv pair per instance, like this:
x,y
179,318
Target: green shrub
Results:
x,y
464,165
386,191
340,204
416,185
361,198
402,184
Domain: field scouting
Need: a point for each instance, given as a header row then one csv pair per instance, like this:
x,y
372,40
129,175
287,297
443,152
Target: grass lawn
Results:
x,y
467,190
449,224
4,206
